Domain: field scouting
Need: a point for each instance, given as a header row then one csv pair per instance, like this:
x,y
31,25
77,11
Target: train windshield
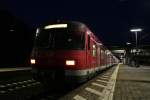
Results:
x,y
60,39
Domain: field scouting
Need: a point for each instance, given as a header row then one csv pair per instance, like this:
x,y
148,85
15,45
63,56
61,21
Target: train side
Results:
x,y
72,53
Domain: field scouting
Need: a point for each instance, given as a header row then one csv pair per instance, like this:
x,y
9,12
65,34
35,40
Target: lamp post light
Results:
x,y
127,53
136,62
136,37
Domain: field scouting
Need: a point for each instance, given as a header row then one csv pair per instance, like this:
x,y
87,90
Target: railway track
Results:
x,y
20,90
33,90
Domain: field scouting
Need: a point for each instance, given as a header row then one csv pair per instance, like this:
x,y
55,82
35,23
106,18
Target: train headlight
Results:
x,y
32,61
70,62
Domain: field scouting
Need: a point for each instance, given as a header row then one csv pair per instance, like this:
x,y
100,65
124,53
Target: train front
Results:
x,y
59,53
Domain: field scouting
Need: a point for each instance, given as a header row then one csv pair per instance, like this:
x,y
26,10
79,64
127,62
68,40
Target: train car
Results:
x,y
68,50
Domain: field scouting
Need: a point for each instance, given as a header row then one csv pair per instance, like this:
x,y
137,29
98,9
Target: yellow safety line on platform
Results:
x,y
113,78
107,93
93,91
78,97
102,81
99,85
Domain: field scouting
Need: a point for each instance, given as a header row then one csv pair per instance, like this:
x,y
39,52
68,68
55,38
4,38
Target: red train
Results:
x,y
68,50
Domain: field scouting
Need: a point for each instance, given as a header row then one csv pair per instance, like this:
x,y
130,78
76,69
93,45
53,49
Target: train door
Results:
x,y
98,55
91,52
106,58
94,53
88,51
103,57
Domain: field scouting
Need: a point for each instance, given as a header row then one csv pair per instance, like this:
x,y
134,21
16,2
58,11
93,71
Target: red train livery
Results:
x,y
68,50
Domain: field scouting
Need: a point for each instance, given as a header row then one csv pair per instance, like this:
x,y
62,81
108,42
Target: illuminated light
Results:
x,y
56,26
94,46
32,61
133,51
128,43
108,53
100,44
118,51
37,30
88,32
136,30
70,62
11,30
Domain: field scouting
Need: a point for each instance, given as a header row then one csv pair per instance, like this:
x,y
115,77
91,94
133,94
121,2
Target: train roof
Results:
x,y
62,21
81,27
75,23
71,25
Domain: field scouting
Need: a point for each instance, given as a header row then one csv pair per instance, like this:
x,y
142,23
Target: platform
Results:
x,y
14,69
99,88
122,82
8,75
132,83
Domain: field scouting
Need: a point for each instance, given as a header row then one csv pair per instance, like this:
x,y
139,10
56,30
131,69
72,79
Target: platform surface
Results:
x,y
132,83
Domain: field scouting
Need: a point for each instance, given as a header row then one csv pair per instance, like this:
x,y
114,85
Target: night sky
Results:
x,y
110,20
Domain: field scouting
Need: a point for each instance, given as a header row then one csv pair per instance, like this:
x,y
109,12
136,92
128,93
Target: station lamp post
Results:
x,y
136,37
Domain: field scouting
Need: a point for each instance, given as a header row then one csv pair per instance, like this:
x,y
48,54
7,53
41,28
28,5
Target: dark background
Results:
x,y
110,20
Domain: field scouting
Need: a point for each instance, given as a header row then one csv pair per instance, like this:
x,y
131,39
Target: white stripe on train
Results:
x,y
83,72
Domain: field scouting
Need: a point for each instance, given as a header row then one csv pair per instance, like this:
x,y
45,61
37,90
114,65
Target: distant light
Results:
x,y
136,30
70,62
100,44
128,43
32,61
56,26
69,40
37,30
118,51
108,52
88,32
11,30
94,46
121,57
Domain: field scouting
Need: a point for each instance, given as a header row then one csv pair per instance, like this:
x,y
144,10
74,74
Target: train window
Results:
x,y
94,50
60,39
42,40
102,54
89,42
